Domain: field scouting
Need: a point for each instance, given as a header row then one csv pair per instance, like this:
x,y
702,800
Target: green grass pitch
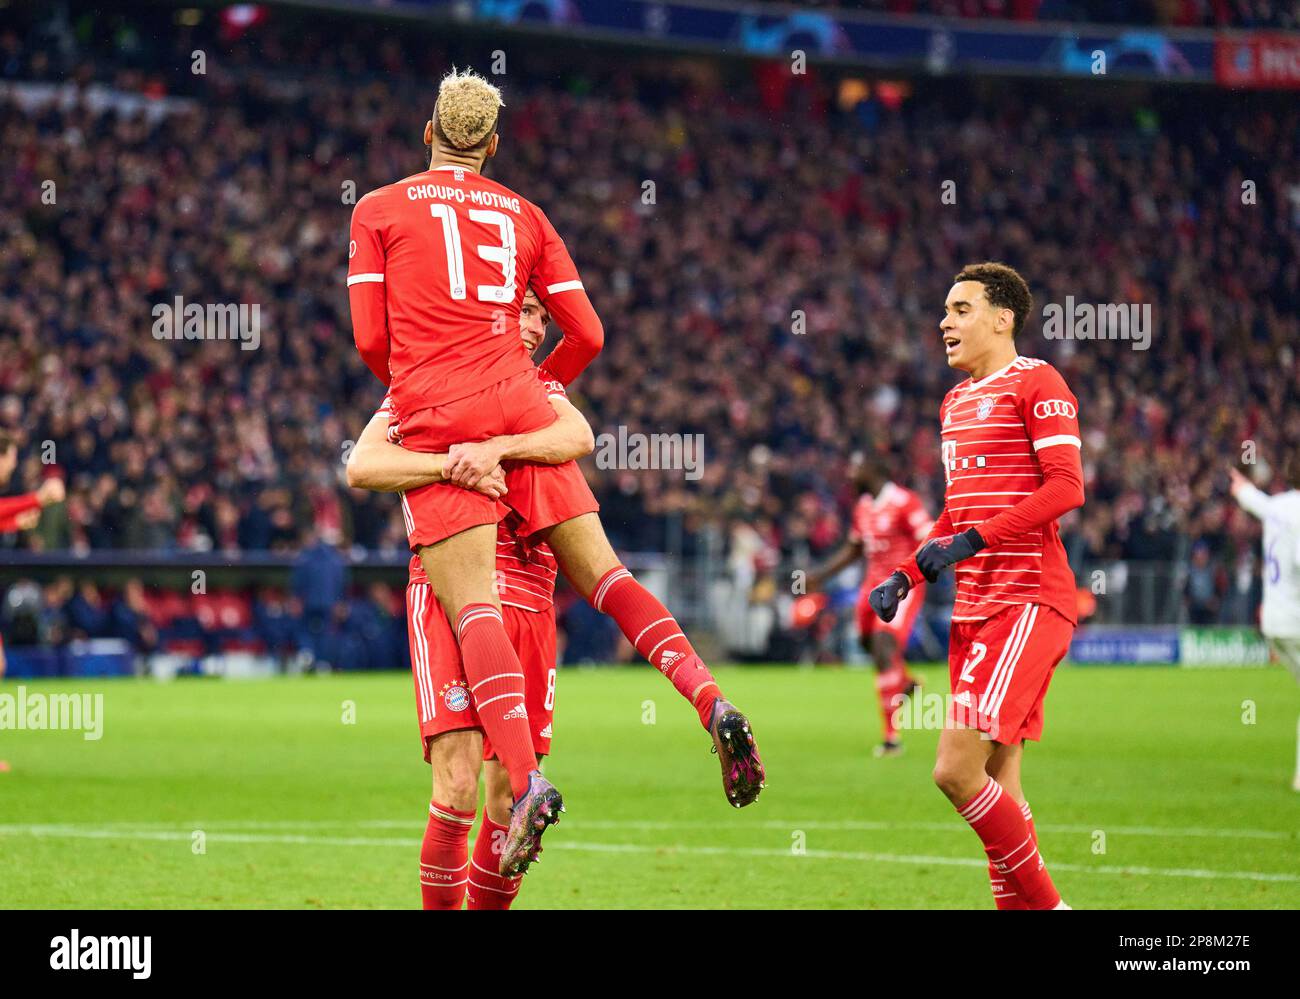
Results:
x,y
1153,788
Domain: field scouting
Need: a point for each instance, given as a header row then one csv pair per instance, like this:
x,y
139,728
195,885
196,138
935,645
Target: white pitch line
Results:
x,y
850,825
71,832
892,858
783,825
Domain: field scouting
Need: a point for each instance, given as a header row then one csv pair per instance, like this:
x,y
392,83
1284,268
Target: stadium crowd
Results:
x,y
1172,13
768,254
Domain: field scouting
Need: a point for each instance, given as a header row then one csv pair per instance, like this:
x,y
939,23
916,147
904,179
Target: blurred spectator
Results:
x,y
1205,585
319,582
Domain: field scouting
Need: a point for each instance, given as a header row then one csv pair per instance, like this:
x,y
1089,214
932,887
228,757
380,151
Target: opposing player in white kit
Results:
x,y
1280,617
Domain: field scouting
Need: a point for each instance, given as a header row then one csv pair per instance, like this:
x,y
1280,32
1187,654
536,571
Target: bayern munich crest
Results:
x,y
985,407
455,695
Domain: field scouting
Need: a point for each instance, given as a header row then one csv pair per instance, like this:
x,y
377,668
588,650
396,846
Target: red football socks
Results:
x,y
488,889
496,683
1003,895
444,857
657,636
890,685
1010,845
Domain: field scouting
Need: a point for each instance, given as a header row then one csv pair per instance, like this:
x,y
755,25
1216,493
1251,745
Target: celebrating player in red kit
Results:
x,y
450,731
888,521
438,264
1011,455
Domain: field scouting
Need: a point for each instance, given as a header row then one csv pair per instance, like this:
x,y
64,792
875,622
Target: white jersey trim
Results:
x,y
1052,441
365,279
552,289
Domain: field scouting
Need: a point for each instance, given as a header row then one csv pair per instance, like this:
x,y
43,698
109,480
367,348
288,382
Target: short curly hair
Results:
x,y
1003,287
465,115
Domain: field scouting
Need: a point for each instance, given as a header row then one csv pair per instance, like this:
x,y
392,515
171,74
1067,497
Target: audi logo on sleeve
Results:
x,y
1055,407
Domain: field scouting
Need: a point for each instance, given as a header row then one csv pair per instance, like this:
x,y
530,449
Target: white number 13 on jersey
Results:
x,y
503,254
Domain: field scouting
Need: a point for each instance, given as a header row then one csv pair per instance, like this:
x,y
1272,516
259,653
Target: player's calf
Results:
x,y
487,889
455,759
994,815
444,856
460,570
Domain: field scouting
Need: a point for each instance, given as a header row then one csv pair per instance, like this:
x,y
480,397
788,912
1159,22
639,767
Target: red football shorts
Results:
x,y
443,699
1000,669
542,495
901,627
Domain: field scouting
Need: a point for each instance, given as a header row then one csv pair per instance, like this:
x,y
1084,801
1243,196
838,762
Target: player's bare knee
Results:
x,y
945,776
457,761
456,784
957,777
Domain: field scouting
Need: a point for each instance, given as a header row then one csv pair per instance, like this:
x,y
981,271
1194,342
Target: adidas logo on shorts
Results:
x,y
518,711
546,732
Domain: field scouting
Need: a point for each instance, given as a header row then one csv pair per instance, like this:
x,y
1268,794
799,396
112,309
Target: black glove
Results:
x,y
940,553
885,597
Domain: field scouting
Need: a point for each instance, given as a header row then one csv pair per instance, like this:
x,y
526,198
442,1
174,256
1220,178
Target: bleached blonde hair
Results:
x,y
467,108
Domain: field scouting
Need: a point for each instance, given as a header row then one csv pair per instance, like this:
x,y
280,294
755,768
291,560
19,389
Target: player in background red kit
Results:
x,y
21,513
448,719
438,264
888,521
1011,455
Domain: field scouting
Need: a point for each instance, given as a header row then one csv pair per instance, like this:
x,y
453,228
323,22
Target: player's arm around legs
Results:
x,y
586,557
461,570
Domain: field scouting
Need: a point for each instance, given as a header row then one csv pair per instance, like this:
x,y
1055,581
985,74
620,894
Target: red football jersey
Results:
x,y
438,265
889,526
13,507
996,432
525,574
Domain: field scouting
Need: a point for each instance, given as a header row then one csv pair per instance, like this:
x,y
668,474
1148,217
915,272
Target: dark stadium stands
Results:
x,y
772,196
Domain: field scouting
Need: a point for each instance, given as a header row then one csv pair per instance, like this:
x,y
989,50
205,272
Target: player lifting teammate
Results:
x,y
1011,456
438,263
450,730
